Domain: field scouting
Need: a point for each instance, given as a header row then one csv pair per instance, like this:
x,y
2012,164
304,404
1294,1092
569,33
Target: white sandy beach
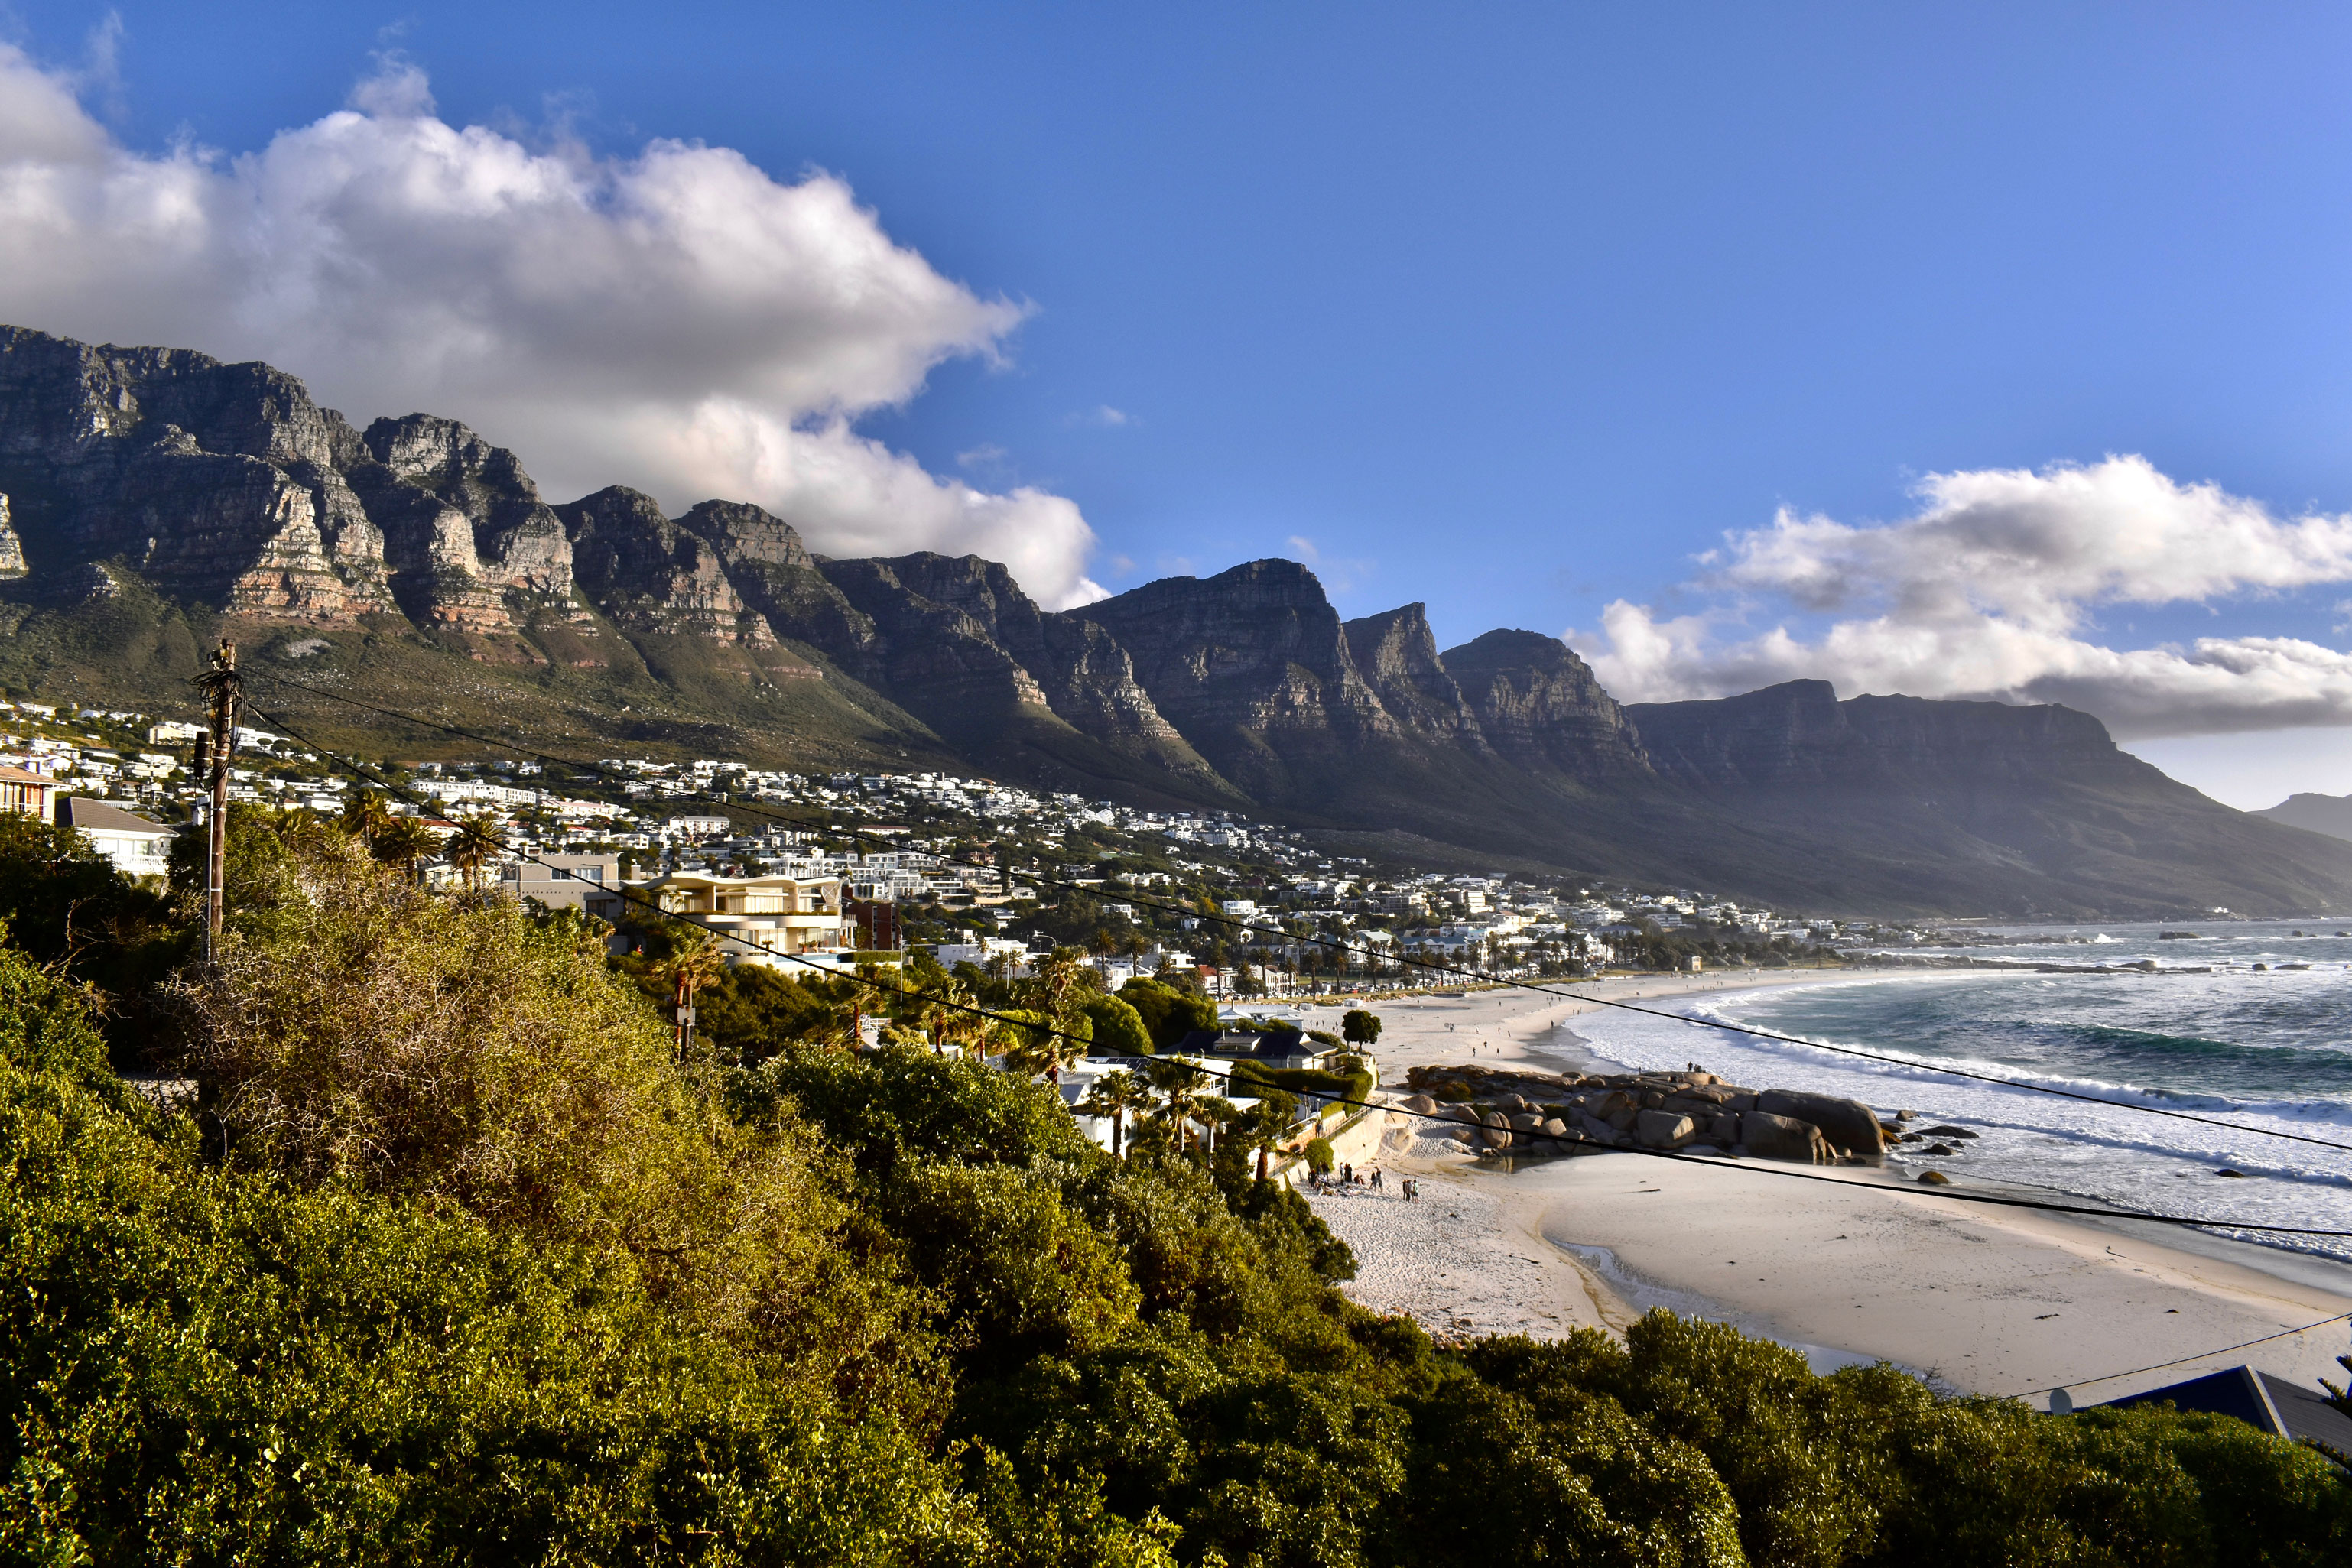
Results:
x,y
1868,1267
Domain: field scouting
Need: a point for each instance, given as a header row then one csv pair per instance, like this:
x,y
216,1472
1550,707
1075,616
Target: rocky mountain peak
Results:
x,y
1396,652
1542,706
741,532
650,574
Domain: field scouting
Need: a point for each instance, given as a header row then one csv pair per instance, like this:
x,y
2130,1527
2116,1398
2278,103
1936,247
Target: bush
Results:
x,y
1168,1014
1118,1029
1320,1157
455,1053
207,1366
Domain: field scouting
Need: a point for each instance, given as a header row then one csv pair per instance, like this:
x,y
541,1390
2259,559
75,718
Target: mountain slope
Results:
x,y
150,498
2328,814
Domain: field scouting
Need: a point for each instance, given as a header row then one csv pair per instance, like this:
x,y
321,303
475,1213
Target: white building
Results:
x,y
138,847
762,914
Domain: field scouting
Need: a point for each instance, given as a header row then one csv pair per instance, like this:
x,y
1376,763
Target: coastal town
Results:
x,y
825,867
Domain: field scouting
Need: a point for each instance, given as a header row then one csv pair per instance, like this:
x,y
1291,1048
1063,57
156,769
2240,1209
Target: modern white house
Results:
x,y
770,915
138,847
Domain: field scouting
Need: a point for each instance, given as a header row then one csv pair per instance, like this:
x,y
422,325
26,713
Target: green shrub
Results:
x,y
1168,1014
208,1366
1320,1157
1118,1029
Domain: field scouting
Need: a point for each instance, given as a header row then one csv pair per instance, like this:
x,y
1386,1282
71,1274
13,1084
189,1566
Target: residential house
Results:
x,y
2266,1403
25,794
138,847
765,915
589,882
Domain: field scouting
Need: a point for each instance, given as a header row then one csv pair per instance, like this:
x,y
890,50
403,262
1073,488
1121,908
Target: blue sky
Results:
x,y
1519,311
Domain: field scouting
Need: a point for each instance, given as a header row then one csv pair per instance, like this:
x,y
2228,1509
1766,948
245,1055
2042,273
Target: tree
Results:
x,y
474,845
693,963
364,816
1041,1044
1168,1013
1263,1125
1360,1026
403,844
1114,1096
1181,1085
1117,1027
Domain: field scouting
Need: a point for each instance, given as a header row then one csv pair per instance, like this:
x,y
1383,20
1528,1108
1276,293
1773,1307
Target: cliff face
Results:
x,y
1797,736
219,483
149,495
649,574
1396,653
1542,706
1251,666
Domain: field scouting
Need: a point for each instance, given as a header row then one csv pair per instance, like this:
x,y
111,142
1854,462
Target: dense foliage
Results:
x,y
452,1259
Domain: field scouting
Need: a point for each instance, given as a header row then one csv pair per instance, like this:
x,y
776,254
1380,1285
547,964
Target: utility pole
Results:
x,y
220,684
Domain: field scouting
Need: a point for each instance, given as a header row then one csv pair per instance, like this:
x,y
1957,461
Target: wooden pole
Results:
x,y
224,735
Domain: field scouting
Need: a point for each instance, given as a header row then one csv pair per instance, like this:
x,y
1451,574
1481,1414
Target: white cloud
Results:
x,y
677,319
1102,415
1988,591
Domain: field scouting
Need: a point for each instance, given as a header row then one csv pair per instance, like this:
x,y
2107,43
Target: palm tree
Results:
x,y
1216,1113
474,845
693,963
1114,1096
1180,1083
364,816
1265,1123
404,841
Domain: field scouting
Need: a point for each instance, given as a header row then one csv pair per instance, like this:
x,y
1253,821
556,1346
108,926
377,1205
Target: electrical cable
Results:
x,y
1230,1074
2180,1361
1723,1025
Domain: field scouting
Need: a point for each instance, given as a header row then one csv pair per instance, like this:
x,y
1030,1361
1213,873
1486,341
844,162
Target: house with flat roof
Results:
x,y
566,881
766,916
138,848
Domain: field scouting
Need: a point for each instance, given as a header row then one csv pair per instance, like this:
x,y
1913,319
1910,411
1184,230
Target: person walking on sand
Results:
x,y
1376,1178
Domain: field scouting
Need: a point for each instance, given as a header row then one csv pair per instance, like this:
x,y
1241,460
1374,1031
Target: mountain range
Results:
x,y
151,498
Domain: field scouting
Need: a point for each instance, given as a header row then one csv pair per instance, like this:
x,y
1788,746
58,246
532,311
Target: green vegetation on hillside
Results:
x,y
452,1259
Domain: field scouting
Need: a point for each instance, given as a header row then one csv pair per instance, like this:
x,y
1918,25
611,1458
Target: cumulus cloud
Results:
x,y
1988,589
676,319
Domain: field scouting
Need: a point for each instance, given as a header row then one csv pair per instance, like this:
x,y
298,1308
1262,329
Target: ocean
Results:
x,y
2249,1021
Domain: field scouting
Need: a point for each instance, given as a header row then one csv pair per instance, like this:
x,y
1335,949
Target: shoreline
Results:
x,y
1866,1267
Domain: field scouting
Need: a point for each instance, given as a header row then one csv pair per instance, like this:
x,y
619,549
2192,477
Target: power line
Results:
x,y
2181,1361
1236,923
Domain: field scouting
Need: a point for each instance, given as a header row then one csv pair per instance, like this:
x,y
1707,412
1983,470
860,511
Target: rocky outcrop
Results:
x,y
1799,736
1085,677
12,548
1251,666
1396,653
1542,706
219,484
1671,1112
521,557
649,574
